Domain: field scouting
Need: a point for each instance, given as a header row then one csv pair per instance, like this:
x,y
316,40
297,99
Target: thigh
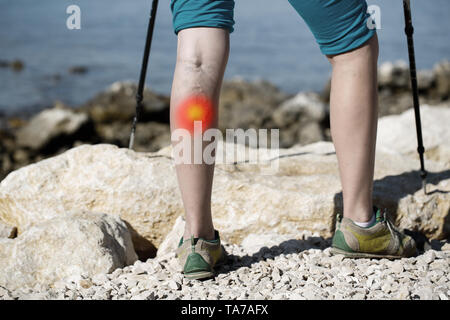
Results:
x,y
202,13
338,25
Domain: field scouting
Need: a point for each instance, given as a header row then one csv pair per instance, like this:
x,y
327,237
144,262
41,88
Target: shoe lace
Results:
x,y
395,233
192,244
388,223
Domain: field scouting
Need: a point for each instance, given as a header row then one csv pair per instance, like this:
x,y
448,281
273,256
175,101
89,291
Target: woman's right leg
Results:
x,y
201,60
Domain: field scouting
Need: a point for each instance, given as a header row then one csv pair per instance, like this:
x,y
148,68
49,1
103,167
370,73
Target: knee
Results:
x,y
201,49
198,68
190,60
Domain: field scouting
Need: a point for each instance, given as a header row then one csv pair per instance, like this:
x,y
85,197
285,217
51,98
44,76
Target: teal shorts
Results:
x,y
338,25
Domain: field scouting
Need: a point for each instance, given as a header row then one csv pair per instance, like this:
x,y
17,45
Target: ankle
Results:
x,y
205,233
361,216
367,224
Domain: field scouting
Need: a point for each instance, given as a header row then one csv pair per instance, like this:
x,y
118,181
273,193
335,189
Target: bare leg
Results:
x,y
201,60
354,116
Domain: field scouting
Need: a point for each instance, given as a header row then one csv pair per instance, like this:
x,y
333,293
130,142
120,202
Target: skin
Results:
x,y
353,121
201,60
202,56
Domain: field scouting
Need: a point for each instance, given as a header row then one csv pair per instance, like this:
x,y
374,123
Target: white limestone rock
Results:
x,y
65,246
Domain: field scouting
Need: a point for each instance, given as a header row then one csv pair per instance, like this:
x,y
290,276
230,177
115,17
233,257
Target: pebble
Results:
x,y
297,275
403,293
4,293
276,275
346,271
139,269
426,293
174,285
358,296
85,283
309,295
429,256
100,279
397,267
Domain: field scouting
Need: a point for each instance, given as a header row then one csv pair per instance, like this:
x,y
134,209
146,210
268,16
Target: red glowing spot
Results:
x,y
195,108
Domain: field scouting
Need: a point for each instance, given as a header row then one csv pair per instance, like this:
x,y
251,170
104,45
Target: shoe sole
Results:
x,y
363,255
207,274
199,275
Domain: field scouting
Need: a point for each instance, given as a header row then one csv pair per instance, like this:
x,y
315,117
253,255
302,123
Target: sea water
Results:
x,y
270,42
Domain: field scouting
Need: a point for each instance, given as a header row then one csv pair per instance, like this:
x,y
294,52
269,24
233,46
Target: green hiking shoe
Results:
x,y
382,240
198,256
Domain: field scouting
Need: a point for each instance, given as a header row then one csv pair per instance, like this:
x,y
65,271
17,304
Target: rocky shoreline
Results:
x,y
84,217
106,118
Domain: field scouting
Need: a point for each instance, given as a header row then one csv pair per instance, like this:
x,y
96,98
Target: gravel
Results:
x,y
307,271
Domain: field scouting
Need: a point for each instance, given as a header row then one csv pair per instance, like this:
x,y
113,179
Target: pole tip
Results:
x,y
130,146
424,185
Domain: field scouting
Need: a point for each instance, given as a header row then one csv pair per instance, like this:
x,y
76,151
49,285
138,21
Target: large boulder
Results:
x,y
301,119
433,83
248,104
141,188
6,147
442,75
398,133
118,103
394,75
171,240
81,244
394,86
149,136
52,128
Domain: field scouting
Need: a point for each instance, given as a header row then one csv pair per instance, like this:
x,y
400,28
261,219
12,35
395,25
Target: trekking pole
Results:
x,y
140,90
409,30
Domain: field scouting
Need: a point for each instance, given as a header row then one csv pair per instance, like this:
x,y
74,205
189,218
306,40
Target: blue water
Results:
x,y
270,42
